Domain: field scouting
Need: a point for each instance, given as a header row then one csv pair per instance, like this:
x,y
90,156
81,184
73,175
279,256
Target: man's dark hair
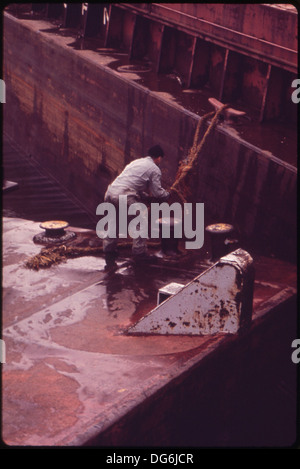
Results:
x,y
156,151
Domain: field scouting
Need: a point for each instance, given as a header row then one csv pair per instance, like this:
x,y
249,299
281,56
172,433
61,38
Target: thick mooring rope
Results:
x,y
58,254
180,186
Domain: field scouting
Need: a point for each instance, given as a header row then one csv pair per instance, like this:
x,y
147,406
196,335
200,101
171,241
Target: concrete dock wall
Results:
x,y
83,122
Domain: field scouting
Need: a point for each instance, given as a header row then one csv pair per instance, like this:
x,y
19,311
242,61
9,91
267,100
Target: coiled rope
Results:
x,y
56,254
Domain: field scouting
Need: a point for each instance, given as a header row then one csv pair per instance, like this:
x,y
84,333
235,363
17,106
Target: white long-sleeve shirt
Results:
x,y
139,176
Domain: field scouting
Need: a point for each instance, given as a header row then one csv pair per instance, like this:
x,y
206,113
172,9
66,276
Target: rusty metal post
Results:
x,y
224,74
72,15
264,99
54,233
169,244
157,65
219,232
93,20
190,72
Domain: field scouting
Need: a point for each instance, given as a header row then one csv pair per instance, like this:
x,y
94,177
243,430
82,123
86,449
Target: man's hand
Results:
x,y
145,197
174,197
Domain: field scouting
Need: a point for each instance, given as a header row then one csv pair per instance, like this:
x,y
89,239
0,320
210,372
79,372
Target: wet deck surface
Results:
x,y
71,370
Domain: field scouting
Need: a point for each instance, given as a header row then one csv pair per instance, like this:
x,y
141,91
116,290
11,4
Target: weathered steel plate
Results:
x,y
218,300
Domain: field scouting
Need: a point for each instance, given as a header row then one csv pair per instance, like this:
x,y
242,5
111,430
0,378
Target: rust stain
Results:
x,y
63,107
172,324
27,403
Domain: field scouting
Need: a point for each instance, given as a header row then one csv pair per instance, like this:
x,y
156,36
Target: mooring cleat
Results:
x,y
229,113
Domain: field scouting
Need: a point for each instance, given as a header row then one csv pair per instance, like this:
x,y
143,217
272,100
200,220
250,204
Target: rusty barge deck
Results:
x,y
73,377
91,96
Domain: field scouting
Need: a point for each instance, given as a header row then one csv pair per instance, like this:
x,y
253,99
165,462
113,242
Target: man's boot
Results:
x,y
110,259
